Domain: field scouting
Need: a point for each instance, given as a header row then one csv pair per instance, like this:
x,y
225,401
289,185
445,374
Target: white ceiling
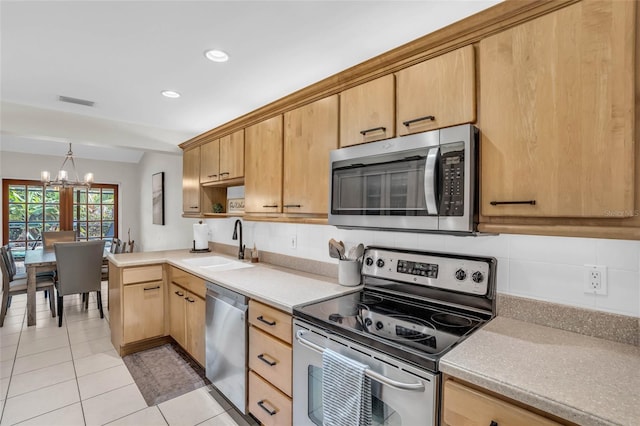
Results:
x,y
122,54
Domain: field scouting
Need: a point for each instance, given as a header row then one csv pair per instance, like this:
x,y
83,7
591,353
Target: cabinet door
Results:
x,y
263,167
271,359
556,117
268,404
191,180
310,133
195,324
232,155
210,161
177,306
143,309
367,112
439,92
467,406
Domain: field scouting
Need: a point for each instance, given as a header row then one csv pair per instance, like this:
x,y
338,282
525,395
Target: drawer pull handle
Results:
x,y
292,205
212,175
266,361
152,288
193,207
499,203
270,206
188,299
493,423
271,412
415,120
179,293
224,173
364,132
269,323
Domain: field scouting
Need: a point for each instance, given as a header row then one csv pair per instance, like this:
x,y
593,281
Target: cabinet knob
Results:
x,y
415,120
266,361
364,132
499,203
271,412
269,323
493,423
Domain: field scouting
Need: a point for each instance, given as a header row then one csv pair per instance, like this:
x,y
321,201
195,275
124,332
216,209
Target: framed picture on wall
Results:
x,y
157,189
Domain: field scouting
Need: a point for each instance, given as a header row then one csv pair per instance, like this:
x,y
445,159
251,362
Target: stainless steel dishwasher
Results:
x,y
226,343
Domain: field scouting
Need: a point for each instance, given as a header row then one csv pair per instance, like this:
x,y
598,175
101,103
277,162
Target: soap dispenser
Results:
x,y
254,254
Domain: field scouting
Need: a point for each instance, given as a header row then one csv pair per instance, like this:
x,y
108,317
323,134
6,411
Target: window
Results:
x,y
30,209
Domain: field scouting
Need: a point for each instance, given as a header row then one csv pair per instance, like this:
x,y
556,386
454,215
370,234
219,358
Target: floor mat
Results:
x,y
164,373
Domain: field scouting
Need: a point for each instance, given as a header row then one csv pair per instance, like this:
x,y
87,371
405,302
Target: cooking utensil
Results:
x,y
336,248
341,250
358,252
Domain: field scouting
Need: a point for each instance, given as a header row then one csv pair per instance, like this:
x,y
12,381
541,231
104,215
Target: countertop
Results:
x,y
582,379
279,287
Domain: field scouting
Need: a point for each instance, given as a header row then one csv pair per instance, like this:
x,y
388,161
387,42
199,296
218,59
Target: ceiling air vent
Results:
x,y
76,101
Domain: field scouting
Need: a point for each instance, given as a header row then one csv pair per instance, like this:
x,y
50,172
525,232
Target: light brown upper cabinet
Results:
x,y
263,167
439,92
367,112
210,161
191,180
556,114
310,133
232,156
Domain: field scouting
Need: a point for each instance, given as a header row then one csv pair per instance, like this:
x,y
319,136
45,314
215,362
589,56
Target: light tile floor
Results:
x,y
72,375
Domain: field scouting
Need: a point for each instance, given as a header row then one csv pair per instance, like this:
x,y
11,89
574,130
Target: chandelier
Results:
x,y
62,179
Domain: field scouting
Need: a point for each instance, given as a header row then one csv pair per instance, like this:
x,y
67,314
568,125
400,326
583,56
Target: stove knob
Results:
x,y
379,325
380,263
461,275
477,277
368,322
368,261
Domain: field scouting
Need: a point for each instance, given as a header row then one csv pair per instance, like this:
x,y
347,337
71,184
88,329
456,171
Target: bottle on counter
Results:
x,y
254,254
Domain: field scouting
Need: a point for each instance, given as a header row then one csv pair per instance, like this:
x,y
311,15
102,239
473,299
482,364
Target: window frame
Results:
x,y
66,205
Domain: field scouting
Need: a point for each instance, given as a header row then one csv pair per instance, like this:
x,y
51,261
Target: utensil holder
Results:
x,y
349,273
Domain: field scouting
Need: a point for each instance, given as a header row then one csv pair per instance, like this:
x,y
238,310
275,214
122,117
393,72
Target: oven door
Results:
x,y
401,394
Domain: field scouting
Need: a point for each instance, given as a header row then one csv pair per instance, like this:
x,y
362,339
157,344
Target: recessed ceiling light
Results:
x,y
170,94
216,55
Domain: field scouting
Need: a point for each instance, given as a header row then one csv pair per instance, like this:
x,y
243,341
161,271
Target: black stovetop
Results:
x,y
417,331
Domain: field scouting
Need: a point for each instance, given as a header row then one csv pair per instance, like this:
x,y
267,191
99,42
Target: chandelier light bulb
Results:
x,y
88,178
62,175
45,176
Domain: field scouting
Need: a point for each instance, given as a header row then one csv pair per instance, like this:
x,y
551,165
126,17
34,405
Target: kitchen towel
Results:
x,y
200,236
346,391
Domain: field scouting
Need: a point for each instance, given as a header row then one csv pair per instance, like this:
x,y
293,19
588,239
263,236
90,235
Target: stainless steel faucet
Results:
x,y
235,237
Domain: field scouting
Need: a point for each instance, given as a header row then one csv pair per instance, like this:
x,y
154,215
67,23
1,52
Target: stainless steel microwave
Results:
x,y
424,182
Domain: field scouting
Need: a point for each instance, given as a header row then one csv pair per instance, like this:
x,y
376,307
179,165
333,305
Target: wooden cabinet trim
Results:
x,y
462,33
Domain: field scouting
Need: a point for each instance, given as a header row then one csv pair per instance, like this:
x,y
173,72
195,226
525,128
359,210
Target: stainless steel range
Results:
x,y
415,306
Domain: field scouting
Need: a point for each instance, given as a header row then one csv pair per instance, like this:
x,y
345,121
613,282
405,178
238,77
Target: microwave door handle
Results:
x,y
430,169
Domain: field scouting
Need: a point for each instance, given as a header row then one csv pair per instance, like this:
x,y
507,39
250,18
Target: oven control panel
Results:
x,y
450,272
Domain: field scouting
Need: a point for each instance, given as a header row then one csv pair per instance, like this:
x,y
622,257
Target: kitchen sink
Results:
x,y
216,263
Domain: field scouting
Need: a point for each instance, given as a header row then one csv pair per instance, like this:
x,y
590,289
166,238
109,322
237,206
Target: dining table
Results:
x,y
39,260
35,261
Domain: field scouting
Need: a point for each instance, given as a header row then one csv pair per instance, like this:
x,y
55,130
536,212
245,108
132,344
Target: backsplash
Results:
x,y
543,268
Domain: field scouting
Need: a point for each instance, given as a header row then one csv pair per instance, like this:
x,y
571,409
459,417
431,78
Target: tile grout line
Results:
x,y
13,365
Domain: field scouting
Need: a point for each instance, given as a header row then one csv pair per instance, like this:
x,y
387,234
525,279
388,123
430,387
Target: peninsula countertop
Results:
x,y
579,378
279,287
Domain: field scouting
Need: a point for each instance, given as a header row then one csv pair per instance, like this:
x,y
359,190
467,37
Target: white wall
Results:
x,y
28,166
177,231
544,268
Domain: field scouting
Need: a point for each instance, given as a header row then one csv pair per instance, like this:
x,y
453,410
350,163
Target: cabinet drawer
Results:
x,y
142,274
267,403
464,405
189,282
273,321
271,359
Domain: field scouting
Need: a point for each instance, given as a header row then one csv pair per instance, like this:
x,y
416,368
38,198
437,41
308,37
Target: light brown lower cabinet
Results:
x,y
187,313
468,406
270,364
267,403
143,313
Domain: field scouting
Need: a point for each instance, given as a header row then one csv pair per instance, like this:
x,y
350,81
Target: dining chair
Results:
x,y
12,286
79,270
49,238
115,243
13,269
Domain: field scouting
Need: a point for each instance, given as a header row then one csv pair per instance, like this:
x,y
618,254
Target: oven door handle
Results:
x,y
415,387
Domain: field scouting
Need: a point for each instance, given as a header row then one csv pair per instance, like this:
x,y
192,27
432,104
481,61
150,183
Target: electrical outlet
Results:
x,y
595,279
293,242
